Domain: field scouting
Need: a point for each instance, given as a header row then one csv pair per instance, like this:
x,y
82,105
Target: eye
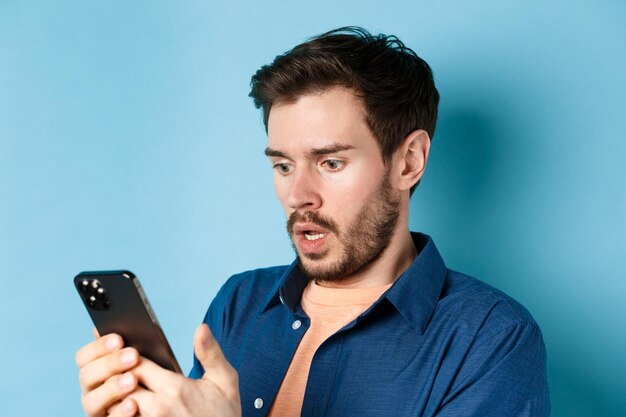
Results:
x,y
333,164
282,168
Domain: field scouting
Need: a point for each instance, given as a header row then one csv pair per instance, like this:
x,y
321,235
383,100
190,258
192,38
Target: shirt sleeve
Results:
x,y
503,376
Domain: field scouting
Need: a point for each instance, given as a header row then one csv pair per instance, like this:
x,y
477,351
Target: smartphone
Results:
x,y
117,304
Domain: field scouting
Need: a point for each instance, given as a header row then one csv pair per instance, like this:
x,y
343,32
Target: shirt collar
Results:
x,y
414,294
288,289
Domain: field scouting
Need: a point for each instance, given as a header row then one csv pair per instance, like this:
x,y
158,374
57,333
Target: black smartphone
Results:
x,y
117,304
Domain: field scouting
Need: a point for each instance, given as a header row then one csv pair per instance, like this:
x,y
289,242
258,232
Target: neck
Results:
x,y
394,260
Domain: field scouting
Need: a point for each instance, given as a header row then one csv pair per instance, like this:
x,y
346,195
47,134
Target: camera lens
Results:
x,y
100,293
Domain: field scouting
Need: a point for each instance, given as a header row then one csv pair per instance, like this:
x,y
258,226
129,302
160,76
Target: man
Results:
x,y
367,321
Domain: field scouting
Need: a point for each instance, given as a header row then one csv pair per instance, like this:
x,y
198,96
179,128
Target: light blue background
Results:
x,y
127,140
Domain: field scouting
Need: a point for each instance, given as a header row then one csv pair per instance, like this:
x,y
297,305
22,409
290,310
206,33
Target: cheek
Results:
x,y
349,197
347,204
368,181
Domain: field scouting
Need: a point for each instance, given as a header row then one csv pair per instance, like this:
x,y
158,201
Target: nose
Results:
x,y
303,191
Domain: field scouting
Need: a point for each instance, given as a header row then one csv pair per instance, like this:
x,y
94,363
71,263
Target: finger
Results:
x,y
147,402
98,348
216,366
155,378
95,402
99,370
95,333
127,408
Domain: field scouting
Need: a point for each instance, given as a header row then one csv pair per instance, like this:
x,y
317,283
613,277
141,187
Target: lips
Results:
x,y
307,228
309,238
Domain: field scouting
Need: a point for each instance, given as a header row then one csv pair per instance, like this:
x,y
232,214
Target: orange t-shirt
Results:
x,y
329,309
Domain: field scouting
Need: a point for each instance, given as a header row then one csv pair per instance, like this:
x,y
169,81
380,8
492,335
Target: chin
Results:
x,y
316,269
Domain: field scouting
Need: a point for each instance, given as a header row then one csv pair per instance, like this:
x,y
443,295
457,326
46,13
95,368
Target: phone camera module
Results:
x,y
95,294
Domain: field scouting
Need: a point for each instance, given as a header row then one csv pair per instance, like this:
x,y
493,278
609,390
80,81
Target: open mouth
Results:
x,y
309,238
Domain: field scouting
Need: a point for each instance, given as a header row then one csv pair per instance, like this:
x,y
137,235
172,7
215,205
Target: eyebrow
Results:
x,y
332,148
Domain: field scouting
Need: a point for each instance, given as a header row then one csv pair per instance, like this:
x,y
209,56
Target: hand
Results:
x,y
166,393
103,376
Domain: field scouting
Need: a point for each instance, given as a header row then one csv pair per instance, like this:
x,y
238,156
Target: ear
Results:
x,y
409,160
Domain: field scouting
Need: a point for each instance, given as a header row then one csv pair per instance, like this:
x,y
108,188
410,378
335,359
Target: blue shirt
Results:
x,y
437,343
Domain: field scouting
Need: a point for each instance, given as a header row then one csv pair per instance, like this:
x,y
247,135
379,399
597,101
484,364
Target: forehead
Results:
x,y
333,116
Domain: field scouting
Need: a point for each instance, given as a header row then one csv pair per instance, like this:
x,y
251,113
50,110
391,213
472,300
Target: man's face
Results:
x,y
331,180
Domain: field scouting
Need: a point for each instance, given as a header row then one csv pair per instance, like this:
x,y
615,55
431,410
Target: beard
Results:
x,y
361,243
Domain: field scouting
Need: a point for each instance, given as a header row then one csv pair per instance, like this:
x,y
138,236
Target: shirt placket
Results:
x,y
322,373
266,357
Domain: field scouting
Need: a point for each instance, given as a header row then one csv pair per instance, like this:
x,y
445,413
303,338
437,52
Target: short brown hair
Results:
x,y
395,85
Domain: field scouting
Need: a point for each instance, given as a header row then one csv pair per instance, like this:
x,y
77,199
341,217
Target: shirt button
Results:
x,y
258,403
296,324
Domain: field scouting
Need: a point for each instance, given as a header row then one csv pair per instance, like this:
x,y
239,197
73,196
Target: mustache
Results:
x,y
313,218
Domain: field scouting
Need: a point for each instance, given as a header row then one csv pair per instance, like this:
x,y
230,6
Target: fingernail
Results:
x,y
126,381
112,343
127,406
128,356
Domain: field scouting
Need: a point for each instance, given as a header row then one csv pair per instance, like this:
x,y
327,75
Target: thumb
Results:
x,y
216,367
